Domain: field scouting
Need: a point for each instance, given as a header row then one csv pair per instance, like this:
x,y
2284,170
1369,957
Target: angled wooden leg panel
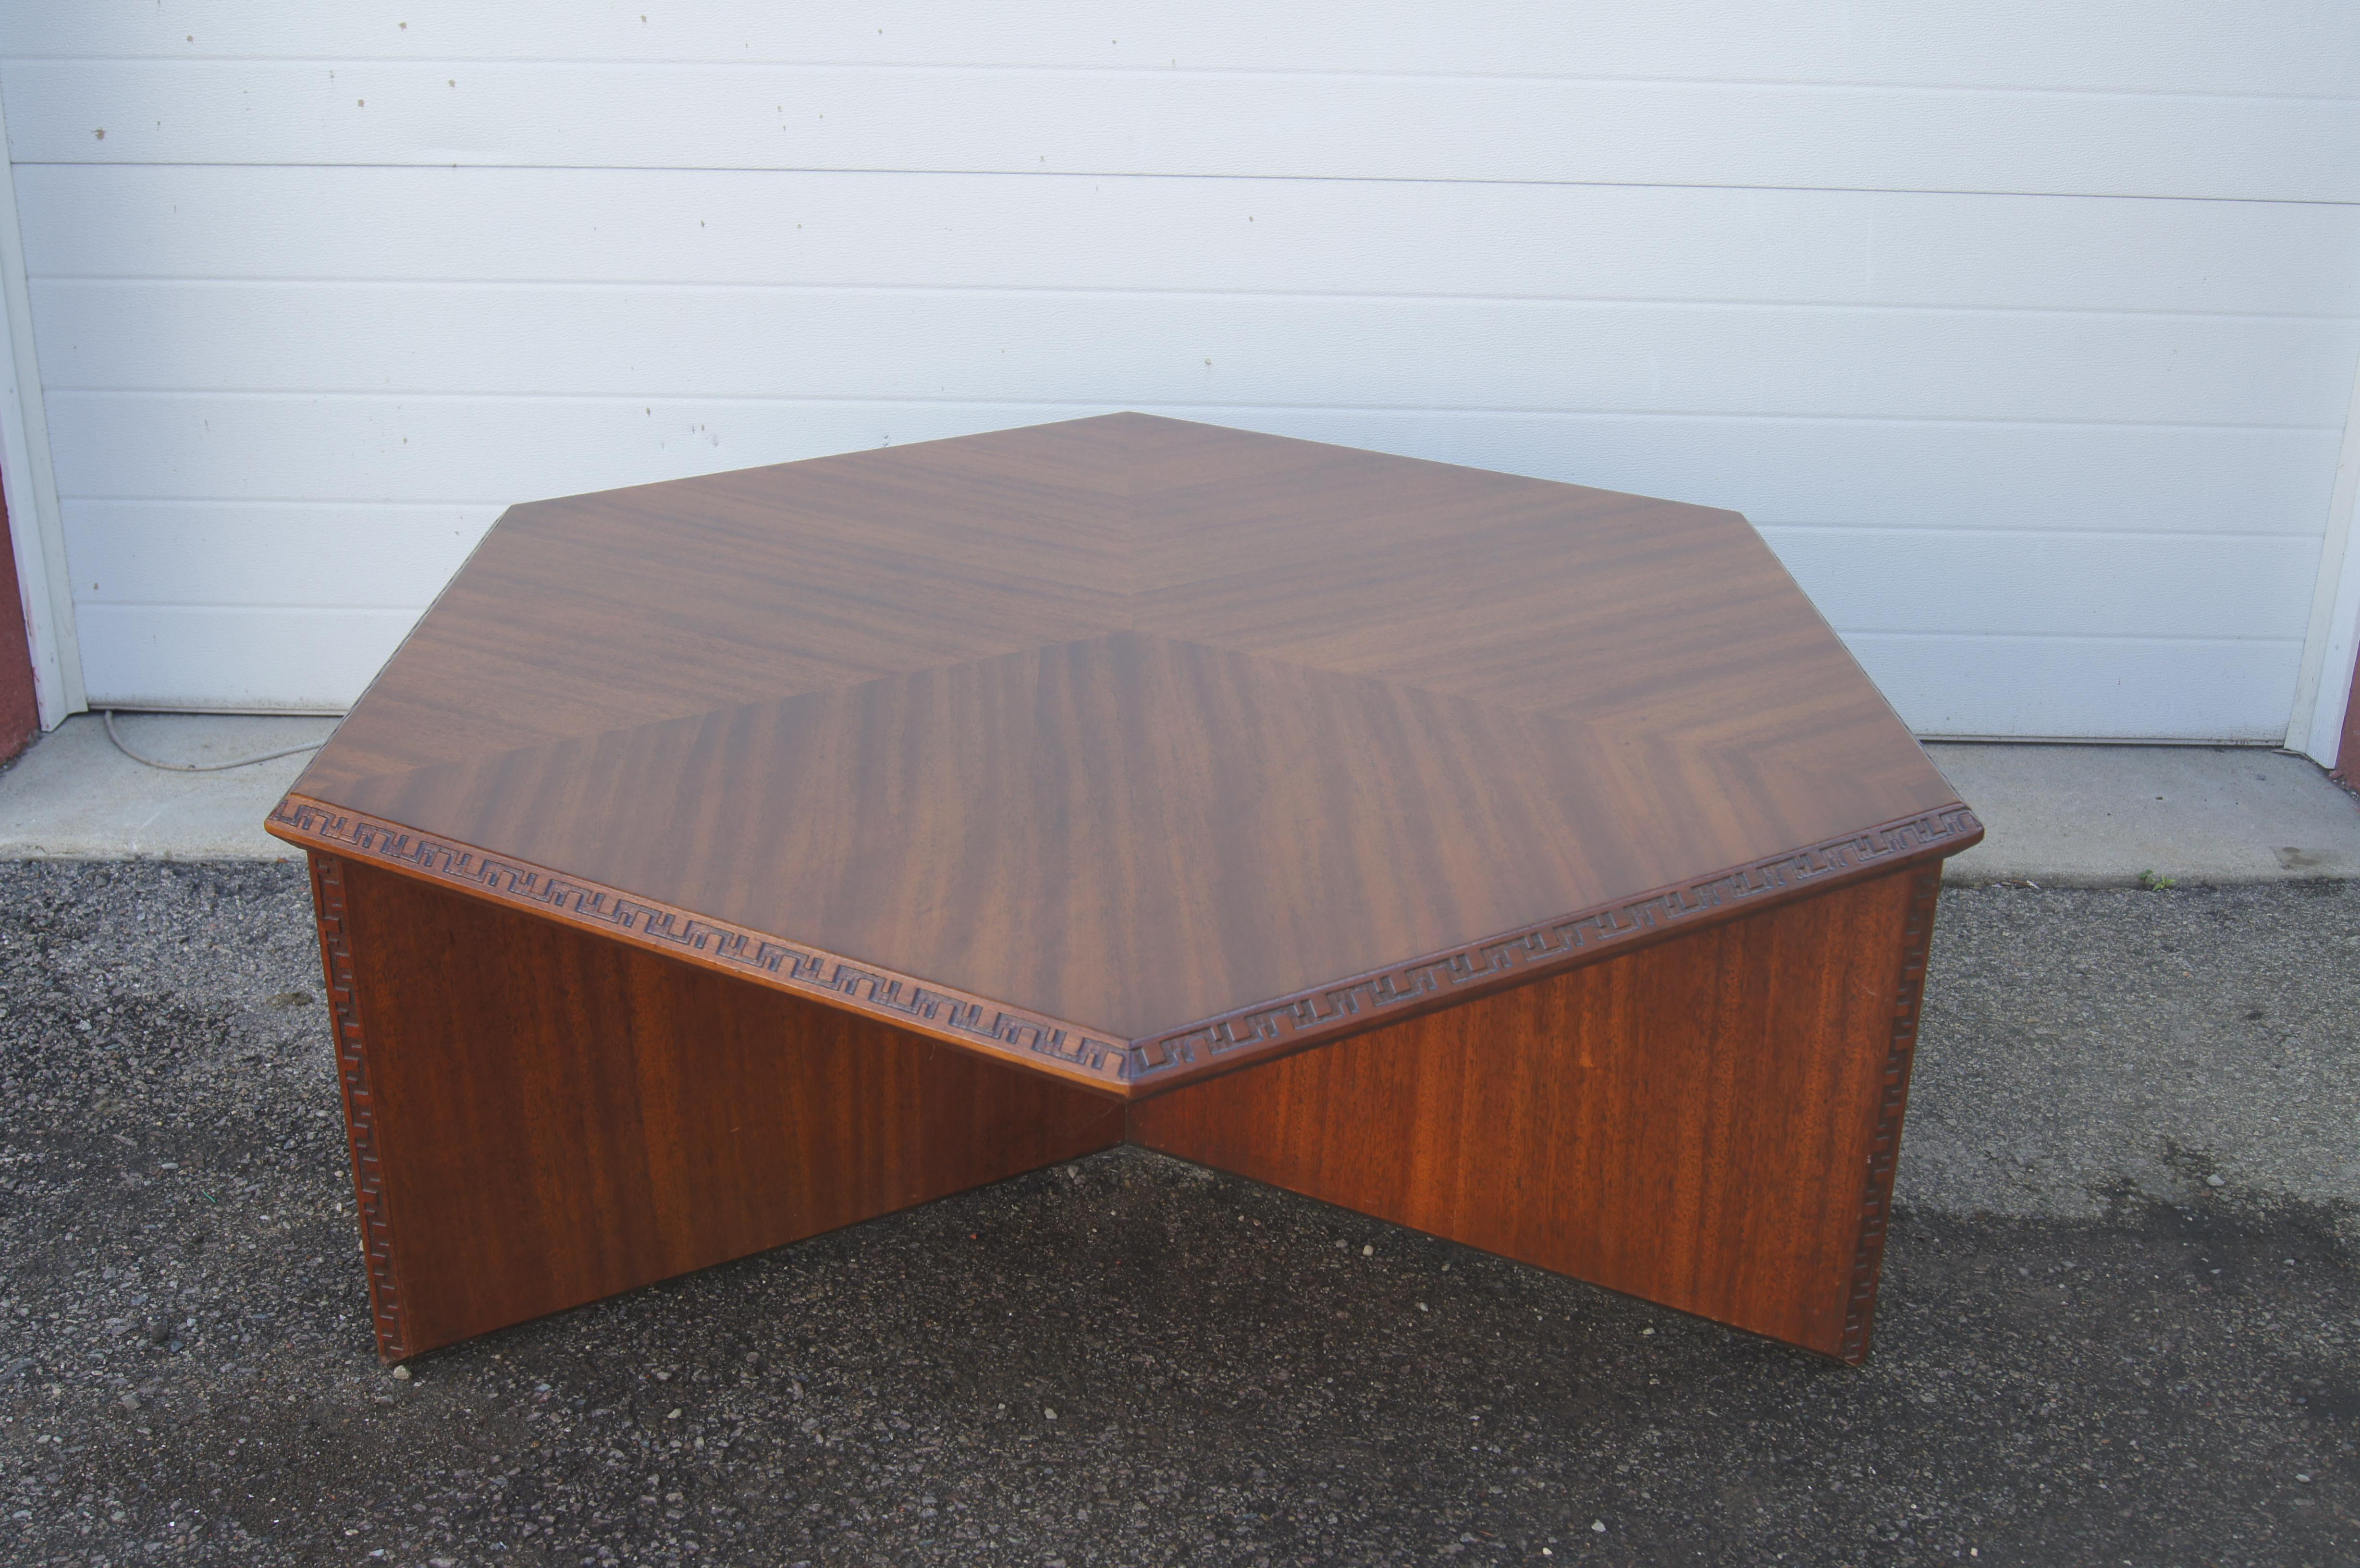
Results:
x,y
1709,1123
539,1117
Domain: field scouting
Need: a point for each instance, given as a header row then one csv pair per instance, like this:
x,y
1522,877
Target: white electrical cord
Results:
x,y
199,767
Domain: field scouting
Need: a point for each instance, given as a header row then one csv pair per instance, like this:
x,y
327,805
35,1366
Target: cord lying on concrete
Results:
x,y
199,767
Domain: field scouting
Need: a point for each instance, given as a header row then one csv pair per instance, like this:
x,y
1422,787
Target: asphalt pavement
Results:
x,y
2118,1321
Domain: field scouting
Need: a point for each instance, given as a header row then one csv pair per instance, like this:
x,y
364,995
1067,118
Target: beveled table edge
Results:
x,y
1096,1059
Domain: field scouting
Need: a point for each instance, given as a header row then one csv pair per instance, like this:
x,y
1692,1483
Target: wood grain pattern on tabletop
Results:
x,y
1126,748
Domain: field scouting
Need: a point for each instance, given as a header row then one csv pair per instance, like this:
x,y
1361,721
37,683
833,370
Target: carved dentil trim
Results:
x,y
1533,951
360,1107
1168,1057
1892,1095
868,988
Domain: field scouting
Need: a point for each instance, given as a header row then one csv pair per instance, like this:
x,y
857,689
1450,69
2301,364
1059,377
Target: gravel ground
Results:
x,y
2089,1352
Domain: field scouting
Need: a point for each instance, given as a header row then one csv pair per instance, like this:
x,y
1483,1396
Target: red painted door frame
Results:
x,y
21,711
2347,750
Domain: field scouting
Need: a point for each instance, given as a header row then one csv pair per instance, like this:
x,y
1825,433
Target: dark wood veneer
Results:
x,y
1709,1122
542,1118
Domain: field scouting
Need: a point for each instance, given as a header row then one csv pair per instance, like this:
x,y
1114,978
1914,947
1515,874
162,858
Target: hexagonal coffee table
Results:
x,y
726,860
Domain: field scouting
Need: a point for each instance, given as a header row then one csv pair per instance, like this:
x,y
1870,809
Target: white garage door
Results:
x,y
2025,333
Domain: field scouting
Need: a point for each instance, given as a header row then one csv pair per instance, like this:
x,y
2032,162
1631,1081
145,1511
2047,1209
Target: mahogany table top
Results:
x,y
1126,748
